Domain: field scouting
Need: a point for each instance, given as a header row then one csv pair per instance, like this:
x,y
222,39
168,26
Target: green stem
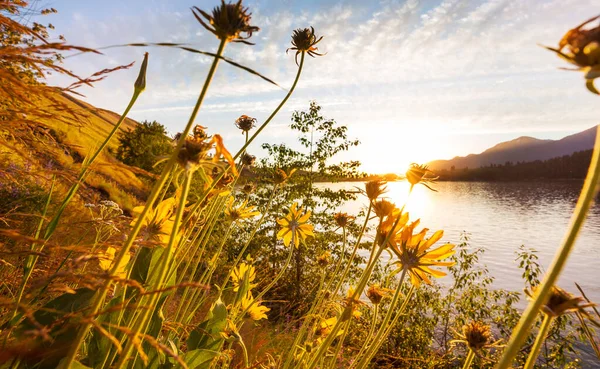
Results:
x,y
305,324
256,227
119,260
371,331
469,359
381,333
539,340
356,245
266,122
277,277
164,263
31,259
589,334
586,198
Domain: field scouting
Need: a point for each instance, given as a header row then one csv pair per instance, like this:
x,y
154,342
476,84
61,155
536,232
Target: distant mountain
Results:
x,y
522,149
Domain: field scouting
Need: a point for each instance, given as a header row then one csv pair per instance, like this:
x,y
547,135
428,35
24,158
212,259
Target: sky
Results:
x,y
413,80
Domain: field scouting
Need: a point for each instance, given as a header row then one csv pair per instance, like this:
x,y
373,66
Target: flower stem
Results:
x,y
277,277
241,253
469,359
380,336
164,263
119,260
274,113
539,340
356,245
586,198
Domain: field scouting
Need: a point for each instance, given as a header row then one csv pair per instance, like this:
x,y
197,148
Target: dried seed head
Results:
x,y
383,208
418,174
200,133
583,45
245,123
477,335
304,40
280,176
193,152
375,188
324,259
249,188
248,160
561,302
228,21
376,293
225,180
343,219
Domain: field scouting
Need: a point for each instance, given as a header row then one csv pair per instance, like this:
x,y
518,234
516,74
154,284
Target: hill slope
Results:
x,y
522,149
58,146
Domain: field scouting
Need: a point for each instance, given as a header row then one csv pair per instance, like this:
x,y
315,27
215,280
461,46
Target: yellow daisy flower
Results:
x,y
256,311
242,272
413,255
159,222
239,212
294,226
106,261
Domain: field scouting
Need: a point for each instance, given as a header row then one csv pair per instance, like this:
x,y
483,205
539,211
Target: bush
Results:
x,y
143,146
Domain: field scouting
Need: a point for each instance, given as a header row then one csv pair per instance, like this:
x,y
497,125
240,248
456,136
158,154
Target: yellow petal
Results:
x,y
433,239
441,252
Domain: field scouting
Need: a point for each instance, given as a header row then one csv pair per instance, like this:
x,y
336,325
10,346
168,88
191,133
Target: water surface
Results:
x,y
500,217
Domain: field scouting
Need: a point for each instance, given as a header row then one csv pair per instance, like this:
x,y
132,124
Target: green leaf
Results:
x,y
76,365
200,358
208,334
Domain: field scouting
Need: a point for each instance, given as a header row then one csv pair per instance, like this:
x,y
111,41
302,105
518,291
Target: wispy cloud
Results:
x,y
446,65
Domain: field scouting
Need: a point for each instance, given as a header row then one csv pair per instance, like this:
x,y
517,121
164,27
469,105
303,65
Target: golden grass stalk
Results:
x,y
119,260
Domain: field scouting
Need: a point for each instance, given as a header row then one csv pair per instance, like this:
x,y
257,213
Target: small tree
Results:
x,y
144,145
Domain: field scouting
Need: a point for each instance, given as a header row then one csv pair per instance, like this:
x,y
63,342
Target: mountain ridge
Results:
x,y
521,149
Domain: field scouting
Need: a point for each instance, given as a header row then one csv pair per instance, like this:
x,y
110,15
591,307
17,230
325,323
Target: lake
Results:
x,y
500,217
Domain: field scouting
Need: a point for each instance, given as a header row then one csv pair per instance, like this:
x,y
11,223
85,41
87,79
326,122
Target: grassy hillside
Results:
x,y
58,145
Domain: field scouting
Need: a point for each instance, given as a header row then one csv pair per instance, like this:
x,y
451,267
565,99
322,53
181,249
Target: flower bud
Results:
x,y
140,82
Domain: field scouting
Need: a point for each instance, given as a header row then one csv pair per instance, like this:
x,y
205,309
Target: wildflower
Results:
x,y
227,22
375,188
324,259
248,160
249,188
194,153
326,326
244,272
476,336
561,302
383,208
224,179
413,254
294,226
376,293
304,40
255,310
280,176
107,260
389,227
240,212
245,123
418,174
582,49
343,219
159,222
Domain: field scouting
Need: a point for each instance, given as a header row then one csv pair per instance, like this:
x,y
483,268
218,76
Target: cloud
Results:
x,y
448,65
